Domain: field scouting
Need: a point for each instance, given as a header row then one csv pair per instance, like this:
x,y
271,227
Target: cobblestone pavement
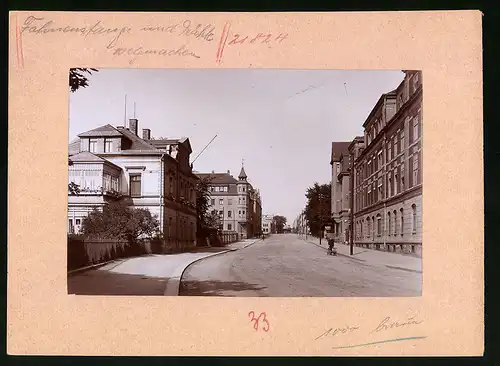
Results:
x,y
285,265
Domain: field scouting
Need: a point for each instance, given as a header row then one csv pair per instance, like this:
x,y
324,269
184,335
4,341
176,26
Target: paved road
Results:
x,y
284,265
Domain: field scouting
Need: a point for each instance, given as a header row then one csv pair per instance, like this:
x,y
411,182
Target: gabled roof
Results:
x,y
218,178
74,147
86,157
103,131
338,149
137,142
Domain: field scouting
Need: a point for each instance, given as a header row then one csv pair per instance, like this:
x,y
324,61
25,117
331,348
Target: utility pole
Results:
x,y
321,212
351,178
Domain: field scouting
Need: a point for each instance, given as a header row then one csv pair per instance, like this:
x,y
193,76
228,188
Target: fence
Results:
x,y
228,237
82,253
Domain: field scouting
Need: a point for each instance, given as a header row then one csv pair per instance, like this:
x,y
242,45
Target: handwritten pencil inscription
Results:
x,y
382,327
116,36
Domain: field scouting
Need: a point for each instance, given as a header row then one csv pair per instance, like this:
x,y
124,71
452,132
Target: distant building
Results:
x,y
267,224
388,172
340,209
110,162
237,203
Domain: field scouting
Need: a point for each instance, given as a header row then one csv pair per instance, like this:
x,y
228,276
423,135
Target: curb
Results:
x,y
174,283
403,269
94,266
340,254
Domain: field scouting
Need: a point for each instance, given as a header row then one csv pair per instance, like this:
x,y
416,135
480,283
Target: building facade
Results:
x,y
267,224
237,203
340,202
110,163
388,172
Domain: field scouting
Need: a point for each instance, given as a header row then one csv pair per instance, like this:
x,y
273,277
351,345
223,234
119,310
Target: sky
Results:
x,y
279,123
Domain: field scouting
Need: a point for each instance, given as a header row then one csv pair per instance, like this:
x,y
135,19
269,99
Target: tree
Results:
x,y
279,222
119,221
318,207
78,78
206,222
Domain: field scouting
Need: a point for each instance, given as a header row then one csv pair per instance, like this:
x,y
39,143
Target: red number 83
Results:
x,y
256,321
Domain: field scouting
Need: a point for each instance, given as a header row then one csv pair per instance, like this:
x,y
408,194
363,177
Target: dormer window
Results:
x,y
93,145
107,145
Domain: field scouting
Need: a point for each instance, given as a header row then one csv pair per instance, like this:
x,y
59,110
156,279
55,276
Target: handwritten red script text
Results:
x,y
256,321
234,39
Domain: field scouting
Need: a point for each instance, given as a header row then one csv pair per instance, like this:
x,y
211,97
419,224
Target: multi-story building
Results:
x,y
236,202
340,203
267,224
388,172
109,163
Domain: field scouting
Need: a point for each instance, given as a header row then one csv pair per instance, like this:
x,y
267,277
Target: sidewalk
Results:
x,y
373,257
153,271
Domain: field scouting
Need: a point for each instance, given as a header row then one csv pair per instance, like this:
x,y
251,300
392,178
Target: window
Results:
x,y
380,159
415,170
212,202
225,189
379,225
415,128
70,226
221,213
107,145
389,186
396,146
229,201
395,223
389,152
243,212
401,141
373,227
229,227
77,221
402,221
243,198
135,185
229,213
414,219
389,221
396,181
221,201
93,145
239,212
216,189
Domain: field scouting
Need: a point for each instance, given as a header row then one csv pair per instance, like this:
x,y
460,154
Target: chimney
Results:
x,y
146,134
133,126
213,172
228,172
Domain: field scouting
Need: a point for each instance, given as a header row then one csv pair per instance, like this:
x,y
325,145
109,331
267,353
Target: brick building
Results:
x,y
387,174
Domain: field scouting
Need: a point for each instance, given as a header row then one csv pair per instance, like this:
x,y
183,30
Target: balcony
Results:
x,y
99,191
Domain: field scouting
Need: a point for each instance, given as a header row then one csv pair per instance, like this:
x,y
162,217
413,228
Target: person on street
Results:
x,y
330,245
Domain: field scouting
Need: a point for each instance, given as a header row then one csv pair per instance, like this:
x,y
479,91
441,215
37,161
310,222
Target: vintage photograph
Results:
x,y
245,182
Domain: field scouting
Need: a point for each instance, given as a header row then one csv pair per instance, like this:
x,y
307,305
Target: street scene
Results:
x,y
245,183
